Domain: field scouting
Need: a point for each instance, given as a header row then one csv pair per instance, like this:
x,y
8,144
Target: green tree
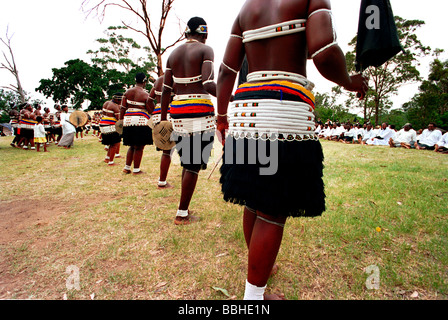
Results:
x,y
328,108
121,53
384,81
112,70
146,25
76,82
431,103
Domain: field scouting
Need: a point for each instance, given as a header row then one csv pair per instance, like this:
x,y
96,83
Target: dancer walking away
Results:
x,y
272,114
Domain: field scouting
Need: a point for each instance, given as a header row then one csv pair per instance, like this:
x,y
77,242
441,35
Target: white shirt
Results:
x,y
368,134
443,142
351,133
39,131
67,127
405,136
386,134
430,138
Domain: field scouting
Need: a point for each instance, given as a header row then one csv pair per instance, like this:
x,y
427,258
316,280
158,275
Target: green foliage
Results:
x,y
384,81
112,70
431,103
8,99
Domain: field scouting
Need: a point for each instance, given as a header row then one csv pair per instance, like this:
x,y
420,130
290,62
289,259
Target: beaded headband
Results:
x,y
202,29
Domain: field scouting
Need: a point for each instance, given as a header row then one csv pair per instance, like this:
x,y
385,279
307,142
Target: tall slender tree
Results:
x,y
151,28
10,65
388,78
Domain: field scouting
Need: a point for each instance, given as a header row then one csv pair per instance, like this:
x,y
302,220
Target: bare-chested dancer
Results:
x,y
274,111
136,111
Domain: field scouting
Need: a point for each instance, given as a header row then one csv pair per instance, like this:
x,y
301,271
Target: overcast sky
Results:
x,y
47,33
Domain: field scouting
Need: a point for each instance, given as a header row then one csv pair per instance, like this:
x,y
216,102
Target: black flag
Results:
x,y
377,34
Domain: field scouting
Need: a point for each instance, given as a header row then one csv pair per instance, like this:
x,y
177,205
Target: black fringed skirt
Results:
x,y
137,136
278,178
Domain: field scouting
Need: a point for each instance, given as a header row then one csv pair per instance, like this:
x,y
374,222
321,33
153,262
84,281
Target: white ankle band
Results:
x,y
253,292
182,213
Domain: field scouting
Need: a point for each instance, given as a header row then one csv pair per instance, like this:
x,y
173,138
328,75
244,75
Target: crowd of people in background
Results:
x,y
36,129
430,138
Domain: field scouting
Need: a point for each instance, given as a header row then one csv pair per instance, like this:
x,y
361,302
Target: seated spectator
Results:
x,y
368,134
442,145
337,133
350,134
405,138
382,137
331,131
323,133
429,138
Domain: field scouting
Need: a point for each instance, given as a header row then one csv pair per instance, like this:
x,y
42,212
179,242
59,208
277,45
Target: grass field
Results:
x,y
66,214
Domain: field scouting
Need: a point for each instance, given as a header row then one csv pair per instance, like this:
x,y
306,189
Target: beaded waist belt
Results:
x,y
136,117
186,126
274,110
27,124
191,108
107,125
108,121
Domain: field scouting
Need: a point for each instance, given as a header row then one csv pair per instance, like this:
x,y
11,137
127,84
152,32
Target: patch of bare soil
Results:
x,y
18,215
16,218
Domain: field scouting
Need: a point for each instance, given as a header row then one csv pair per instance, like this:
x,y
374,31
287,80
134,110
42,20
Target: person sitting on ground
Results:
x,y
382,136
442,145
405,138
368,134
428,138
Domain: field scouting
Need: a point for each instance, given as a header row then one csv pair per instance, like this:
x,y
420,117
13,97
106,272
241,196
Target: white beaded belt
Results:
x,y
108,129
193,125
271,119
280,75
135,121
192,96
155,118
26,126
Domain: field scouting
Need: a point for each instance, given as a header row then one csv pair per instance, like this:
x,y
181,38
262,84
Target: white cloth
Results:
x,y
39,131
67,127
405,136
368,134
430,138
384,134
353,132
443,142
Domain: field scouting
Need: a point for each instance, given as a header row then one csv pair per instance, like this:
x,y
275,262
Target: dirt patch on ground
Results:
x,y
16,219
19,215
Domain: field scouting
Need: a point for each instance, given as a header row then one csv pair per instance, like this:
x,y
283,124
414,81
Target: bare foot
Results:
x,y
167,186
274,270
186,221
280,296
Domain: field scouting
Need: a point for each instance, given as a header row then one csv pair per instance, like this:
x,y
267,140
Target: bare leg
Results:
x,y
138,155
189,180
264,245
165,163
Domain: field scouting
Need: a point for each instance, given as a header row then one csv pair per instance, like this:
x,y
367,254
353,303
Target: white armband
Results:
x,y
334,42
